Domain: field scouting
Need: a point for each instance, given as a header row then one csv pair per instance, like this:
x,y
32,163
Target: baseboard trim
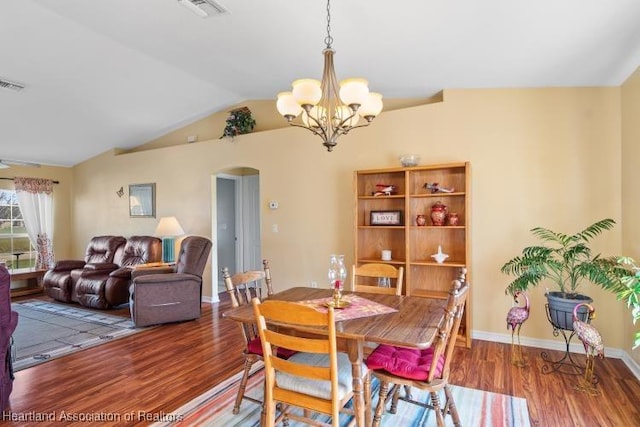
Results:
x,y
615,353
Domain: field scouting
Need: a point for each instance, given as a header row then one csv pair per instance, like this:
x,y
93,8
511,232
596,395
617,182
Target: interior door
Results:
x,y
226,226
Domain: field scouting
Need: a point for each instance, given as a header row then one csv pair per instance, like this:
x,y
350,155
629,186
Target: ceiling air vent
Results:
x,y
14,86
204,8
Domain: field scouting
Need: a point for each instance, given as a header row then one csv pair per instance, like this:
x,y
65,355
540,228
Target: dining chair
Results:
x,y
316,378
423,369
242,288
366,278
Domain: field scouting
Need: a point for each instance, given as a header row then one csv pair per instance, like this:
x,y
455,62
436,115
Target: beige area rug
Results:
x,y
476,408
47,330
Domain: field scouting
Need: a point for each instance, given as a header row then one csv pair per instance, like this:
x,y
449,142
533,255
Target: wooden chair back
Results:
x,y
447,334
365,278
283,312
242,288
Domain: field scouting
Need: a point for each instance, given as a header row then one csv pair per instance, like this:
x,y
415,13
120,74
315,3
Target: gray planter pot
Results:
x,y
560,309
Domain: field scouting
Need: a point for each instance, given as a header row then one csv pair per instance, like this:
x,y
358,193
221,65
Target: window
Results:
x,y
15,247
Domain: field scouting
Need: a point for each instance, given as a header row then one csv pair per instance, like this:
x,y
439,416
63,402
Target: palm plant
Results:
x,y
628,289
565,260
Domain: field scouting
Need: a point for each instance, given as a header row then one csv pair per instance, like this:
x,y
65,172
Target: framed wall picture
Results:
x,y
386,218
142,200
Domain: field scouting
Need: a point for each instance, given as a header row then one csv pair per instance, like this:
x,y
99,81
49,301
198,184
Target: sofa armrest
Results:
x,y
150,271
68,265
101,266
122,273
152,279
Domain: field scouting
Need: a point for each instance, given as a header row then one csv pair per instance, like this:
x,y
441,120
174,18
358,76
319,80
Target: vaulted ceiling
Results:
x,y
102,74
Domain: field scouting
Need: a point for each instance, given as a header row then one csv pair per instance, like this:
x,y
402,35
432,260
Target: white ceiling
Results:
x,y
104,74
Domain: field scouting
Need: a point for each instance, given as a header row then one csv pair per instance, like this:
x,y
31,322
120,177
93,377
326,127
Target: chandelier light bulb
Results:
x,y
354,91
307,91
372,106
287,105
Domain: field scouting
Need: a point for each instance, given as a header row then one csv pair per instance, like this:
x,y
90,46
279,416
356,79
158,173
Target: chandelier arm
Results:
x,y
314,130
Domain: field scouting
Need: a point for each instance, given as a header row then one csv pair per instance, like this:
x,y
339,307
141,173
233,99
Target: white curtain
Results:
x,y
35,197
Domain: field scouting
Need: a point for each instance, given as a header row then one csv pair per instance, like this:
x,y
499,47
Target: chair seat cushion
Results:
x,y
407,363
255,347
318,388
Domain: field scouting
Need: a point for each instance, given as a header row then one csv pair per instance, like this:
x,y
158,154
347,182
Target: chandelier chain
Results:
x,y
329,39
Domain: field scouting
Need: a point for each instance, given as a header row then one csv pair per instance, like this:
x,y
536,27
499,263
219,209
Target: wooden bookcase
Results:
x,y
412,245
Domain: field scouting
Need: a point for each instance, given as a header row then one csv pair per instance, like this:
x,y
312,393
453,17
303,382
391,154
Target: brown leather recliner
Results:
x,y
8,324
106,286
59,282
165,295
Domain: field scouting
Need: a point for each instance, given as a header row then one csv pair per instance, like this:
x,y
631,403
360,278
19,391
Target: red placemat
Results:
x,y
360,307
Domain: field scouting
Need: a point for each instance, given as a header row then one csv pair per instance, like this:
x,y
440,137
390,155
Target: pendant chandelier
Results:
x,y
328,110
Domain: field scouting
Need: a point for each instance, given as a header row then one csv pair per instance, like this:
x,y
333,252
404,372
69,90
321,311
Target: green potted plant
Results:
x,y
567,261
238,122
628,289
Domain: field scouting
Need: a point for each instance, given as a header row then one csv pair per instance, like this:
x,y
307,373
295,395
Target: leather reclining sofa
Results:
x,y
103,278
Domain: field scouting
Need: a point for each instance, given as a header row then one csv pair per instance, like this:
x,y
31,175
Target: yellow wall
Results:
x,y
540,157
62,196
631,177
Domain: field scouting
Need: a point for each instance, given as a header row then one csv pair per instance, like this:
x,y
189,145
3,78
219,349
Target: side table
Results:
x,y
33,279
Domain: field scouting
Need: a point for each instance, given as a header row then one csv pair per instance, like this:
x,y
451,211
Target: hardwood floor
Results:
x,y
154,372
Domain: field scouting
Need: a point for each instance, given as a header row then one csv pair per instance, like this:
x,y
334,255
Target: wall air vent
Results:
x,y
9,85
204,8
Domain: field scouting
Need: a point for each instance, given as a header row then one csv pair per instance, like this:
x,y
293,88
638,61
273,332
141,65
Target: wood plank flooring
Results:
x,y
152,373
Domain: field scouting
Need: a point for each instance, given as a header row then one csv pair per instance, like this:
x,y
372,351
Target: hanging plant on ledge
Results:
x,y
239,122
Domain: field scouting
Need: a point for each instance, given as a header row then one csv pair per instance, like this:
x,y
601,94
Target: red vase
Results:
x,y
452,219
438,213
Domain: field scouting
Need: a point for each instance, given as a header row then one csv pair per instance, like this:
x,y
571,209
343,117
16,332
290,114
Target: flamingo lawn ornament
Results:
x,y
515,318
593,346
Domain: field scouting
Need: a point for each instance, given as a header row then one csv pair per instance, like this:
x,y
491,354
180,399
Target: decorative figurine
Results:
x,y
516,317
385,190
593,346
439,257
435,188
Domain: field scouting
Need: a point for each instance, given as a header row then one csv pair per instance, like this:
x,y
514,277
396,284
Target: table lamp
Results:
x,y
168,228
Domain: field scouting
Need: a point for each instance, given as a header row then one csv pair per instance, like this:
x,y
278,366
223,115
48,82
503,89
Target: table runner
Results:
x,y
360,307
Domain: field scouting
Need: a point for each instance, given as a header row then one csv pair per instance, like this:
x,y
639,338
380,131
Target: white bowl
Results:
x,y
409,160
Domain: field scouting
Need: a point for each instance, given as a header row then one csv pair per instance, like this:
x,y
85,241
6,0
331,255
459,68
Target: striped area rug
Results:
x,y
477,408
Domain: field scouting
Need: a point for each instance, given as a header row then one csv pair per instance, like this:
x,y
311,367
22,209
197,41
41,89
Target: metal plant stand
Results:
x,y
566,364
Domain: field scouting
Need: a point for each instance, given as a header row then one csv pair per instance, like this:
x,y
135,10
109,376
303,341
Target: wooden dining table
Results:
x,y
410,322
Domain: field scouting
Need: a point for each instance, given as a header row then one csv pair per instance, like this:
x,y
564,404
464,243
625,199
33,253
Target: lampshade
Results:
x,y
169,226
306,91
287,105
354,91
371,107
